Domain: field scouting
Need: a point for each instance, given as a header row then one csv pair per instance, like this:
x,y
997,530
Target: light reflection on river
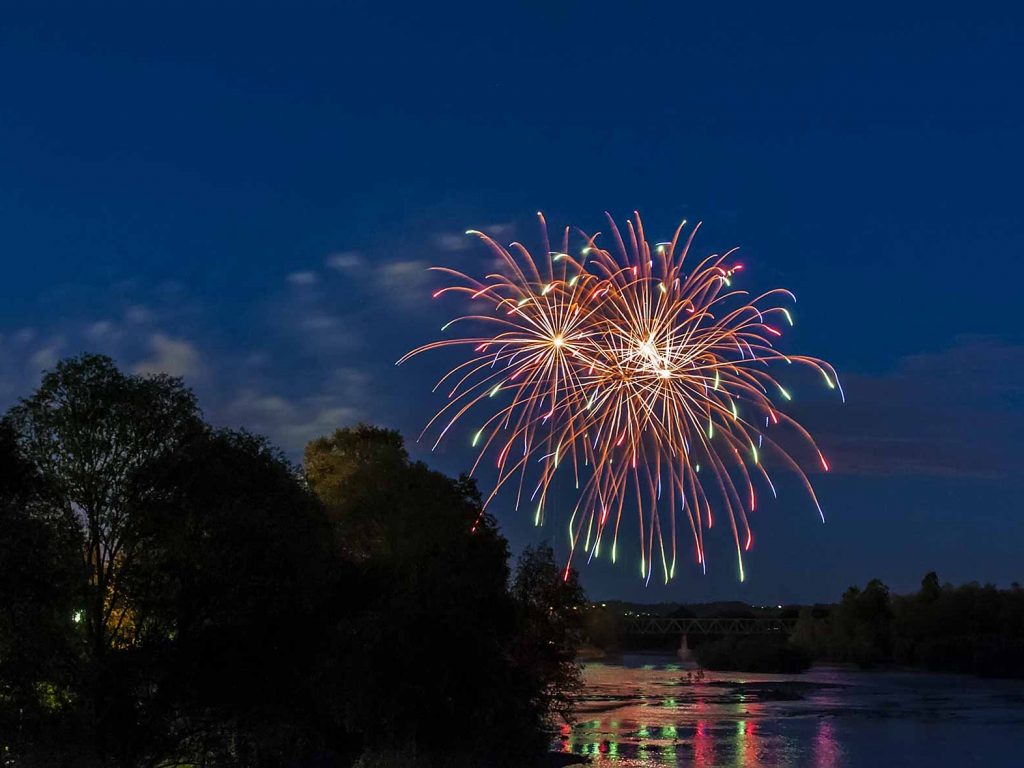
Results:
x,y
642,711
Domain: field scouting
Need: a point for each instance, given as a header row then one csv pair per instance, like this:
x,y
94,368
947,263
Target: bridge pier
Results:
x,y
684,650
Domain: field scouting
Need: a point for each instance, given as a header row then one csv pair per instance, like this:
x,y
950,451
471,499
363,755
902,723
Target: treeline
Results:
x,y
971,628
174,594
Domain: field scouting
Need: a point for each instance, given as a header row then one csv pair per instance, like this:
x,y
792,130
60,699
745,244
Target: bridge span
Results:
x,y
660,625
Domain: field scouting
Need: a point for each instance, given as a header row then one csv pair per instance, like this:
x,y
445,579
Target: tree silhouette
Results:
x,y
550,611
89,431
40,595
233,593
174,594
440,636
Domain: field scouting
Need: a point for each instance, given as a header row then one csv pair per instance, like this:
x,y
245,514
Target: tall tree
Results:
x,y
233,603
550,608
435,619
433,575
89,432
40,583
362,475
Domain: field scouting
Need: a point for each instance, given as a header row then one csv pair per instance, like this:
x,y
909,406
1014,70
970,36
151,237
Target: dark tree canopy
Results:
x,y
89,432
971,628
432,591
385,505
439,618
174,594
236,570
331,462
551,609
41,579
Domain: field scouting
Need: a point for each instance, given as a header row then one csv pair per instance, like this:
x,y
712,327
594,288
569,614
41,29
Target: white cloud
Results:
x,y
307,318
344,261
23,335
322,422
23,357
302,279
461,242
453,243
46,357
174,357
316,321
351,381
291,424
407,281
101,331
499,230
138,314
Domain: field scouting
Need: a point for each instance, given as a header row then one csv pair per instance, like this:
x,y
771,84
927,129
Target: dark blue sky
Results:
x,y
248,194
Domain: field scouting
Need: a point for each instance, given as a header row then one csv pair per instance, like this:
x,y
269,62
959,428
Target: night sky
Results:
x,y
247,195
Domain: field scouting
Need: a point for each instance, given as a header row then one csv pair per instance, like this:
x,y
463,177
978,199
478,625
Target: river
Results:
x,y
642,711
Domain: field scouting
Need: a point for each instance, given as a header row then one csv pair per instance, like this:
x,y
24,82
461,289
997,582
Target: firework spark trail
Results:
x,y
636,374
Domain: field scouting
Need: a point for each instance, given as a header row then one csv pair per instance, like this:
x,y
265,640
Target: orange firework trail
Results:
x,y
649,385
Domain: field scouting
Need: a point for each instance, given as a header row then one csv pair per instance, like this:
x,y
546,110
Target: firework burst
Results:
x,y
649,385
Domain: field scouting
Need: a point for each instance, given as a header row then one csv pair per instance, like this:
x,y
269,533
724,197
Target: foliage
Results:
x,y
550,610
88,432
388,509
436,621
40,594
604,629
230,597
431,593
971,628
173,594
864,624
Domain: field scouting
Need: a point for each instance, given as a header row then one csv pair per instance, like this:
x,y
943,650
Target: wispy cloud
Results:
x,y
164,328
102,332
24,335
291,422
344,261
405,281
957,411
302,279
309,319
24,355
46,357
175,357
138,314
453,242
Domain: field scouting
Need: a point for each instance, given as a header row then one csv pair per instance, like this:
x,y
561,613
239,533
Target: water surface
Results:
x,y
643,711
